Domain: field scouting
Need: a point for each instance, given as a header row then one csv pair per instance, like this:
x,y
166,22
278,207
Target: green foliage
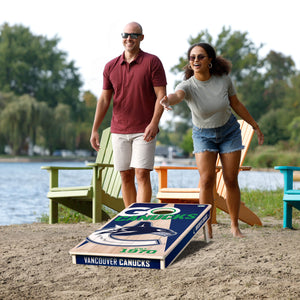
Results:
x,y
278,66
250,91
64,130
274,125
19,121
40,95
187,142
67,215
34,65
291,101
270,156
264,203
294,129
236,47
163,137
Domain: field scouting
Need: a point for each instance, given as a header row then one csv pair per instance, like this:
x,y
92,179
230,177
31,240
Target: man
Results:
x,y
137,82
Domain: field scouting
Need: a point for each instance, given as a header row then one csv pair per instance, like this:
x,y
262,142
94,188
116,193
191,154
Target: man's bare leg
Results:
x,y
144,191
128,187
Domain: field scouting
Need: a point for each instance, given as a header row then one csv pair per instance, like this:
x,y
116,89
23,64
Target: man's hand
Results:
x,y
94,140
150,133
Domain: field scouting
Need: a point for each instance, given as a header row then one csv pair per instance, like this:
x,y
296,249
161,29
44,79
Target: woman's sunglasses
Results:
x,y
199,57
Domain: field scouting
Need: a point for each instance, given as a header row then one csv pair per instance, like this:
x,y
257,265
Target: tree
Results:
x,y
291,100
274,126
83,129
241,51
250,92
279,69
63,130
187,142
19,121
294,128
34,65
278,66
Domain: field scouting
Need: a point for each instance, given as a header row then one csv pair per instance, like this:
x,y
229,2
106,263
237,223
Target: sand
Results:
x,y
35,264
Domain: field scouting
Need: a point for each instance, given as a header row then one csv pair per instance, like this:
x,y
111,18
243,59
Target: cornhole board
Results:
x,y
144,235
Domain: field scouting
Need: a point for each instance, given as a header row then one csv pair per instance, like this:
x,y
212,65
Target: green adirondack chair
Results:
x,y
89,200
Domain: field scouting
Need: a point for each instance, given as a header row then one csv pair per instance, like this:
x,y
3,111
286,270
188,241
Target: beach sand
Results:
x,y
35,264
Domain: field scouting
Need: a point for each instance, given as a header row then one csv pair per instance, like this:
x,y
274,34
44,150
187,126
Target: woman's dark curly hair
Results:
x,y
220,65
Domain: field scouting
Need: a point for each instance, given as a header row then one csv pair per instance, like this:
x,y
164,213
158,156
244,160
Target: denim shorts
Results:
x,y
224,139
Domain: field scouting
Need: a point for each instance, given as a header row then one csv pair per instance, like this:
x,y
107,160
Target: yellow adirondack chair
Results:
x,y
191,195
89,200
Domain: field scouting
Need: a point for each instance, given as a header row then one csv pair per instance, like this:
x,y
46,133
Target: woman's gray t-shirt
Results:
x,y
208,100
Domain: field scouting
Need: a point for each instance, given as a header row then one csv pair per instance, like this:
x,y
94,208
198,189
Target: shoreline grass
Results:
x,y
264,203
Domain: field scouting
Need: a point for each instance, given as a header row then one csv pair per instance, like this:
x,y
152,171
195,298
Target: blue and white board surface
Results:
x,y
144,235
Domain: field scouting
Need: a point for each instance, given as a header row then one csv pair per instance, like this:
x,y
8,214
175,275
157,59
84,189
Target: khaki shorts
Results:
x,y
132,151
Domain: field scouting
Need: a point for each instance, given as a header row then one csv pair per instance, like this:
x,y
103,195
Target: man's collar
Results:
x,y
136,60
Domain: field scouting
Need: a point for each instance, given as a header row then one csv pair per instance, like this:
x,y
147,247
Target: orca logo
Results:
x,y
112,236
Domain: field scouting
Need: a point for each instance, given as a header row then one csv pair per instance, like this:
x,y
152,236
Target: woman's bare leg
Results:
x,y
206,163
230,164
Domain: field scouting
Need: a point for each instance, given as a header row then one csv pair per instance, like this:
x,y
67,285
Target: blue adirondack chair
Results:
x,y
89,200
291,196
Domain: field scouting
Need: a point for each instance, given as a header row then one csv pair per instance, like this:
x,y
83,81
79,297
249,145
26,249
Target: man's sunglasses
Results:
x,y
132,35
199,57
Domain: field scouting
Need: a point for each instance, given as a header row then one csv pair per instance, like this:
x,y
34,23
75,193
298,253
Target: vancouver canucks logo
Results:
x,y
113,236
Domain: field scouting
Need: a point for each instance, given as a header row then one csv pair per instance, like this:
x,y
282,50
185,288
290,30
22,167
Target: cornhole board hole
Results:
x,y
144,235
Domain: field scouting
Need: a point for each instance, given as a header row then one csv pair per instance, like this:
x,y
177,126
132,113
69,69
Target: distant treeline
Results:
x,y
42,105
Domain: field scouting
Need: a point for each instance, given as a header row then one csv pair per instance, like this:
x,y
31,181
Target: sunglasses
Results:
x,y
132,35
199,57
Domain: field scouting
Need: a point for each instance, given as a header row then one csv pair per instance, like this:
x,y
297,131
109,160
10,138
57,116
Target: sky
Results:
x,y
90,30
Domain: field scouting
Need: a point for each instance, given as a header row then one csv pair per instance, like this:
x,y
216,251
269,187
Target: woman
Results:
x,y
210,95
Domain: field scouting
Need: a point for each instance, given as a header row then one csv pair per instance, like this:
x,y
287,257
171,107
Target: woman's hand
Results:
x,y
260,136
165,103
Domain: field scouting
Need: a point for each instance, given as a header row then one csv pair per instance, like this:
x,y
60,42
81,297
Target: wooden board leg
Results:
x,y
205,232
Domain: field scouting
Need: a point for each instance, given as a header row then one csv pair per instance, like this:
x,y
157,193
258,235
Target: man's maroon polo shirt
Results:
x,y
134,96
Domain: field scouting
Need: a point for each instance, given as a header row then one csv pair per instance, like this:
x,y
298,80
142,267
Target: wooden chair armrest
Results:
x,y
50,168
163,173
54,172
100,165
245,168
98,168
160,168
175,168
288,179
287,168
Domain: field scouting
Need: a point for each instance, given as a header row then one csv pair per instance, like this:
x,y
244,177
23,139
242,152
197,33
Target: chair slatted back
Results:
x,y
111,179
247,134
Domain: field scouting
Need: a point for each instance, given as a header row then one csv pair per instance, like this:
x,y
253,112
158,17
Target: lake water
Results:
x,y
24,186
